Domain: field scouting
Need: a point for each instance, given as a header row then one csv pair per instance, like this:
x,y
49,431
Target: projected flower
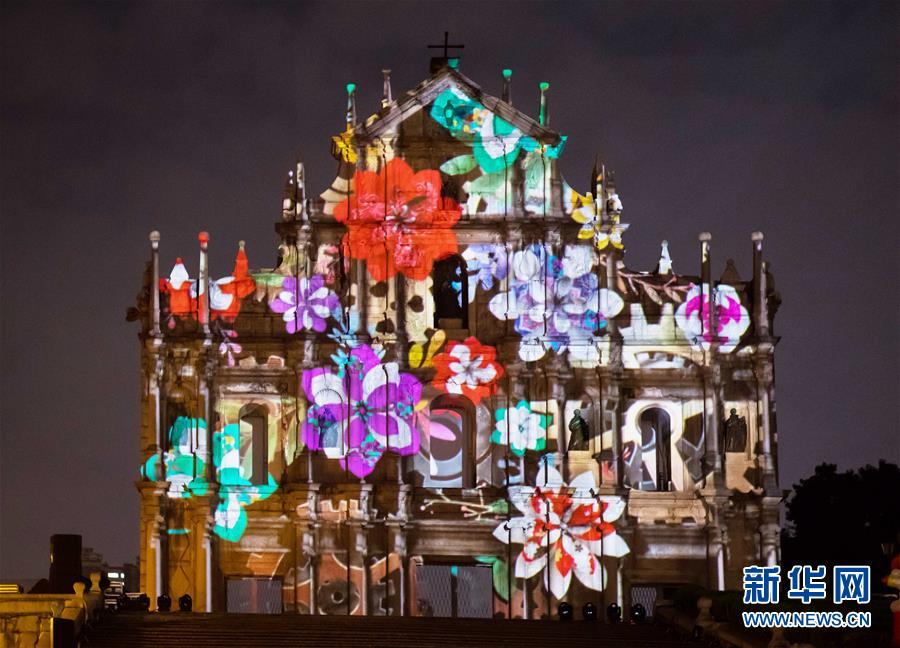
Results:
x,y
178,286
484,262
495,142
398,221
225,294
235,491
305,304
555,302
468,368
184,467
520,428
584,211
733,319
182,464
359,412
563,530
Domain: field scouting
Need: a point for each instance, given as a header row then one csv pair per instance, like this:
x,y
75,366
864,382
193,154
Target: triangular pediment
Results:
x,y
386,121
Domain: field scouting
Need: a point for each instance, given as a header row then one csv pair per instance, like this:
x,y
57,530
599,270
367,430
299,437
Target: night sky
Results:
x,y
118,119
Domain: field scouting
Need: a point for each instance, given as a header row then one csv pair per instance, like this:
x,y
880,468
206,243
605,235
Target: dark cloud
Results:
x,y
120,118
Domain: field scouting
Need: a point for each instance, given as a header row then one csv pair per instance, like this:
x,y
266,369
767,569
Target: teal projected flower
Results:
x,y
495,142
521,428
184,468
235,490
182,464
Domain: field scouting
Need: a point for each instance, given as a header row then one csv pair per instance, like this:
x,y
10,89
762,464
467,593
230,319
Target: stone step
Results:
x,y
136,630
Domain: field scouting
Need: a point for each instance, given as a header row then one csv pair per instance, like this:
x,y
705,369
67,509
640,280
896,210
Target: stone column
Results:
x,y
769,540
715,562
201,525
760,307
203,287
154,288
764,378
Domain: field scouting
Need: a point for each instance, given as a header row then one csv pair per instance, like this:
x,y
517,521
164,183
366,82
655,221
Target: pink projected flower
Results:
x,y
564,530
305,304
468,368
398,221
362,410
733,319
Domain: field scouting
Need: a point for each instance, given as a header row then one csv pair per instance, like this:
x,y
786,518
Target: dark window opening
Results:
x,y
656,430
451,443
254,451
450,289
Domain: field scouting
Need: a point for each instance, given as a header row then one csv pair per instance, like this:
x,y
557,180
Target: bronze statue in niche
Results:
x,y
735,433
580,437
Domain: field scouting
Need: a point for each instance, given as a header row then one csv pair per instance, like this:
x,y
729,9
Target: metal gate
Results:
x,y
646,596
253,596
455,591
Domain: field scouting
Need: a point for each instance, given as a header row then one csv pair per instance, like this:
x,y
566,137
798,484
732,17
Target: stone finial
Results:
x,y
704,237
756,237
386,97
154,239
544,115
664,265
704,614
506,94
203,237
351,105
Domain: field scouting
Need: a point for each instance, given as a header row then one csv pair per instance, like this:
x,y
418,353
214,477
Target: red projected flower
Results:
x,y
564,530
398,221
468,368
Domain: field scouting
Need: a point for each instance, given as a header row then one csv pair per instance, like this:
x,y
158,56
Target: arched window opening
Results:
x,y
326,415
451,439
656,433
450,289
254,451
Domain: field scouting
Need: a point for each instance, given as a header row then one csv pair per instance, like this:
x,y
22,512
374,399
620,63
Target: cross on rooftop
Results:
x,y
446,45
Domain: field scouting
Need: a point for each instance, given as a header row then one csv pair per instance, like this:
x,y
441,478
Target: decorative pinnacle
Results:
x,y
241,245
543,117
154,239
756,237
351,87
203,237
705,237
507,73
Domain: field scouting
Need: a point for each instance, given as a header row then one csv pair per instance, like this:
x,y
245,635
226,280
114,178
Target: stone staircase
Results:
x,y
135,630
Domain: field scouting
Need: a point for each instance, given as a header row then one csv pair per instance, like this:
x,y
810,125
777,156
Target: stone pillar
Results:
x,y
362,298
201,525
156,372
154,287
402,344
400,549
764,378
715,558
203,287
760,306
206,378
769,543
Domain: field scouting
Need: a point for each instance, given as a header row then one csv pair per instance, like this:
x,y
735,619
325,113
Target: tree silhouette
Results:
x,y
846,518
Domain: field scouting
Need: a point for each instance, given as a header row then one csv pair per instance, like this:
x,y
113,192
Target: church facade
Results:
x,y
452,396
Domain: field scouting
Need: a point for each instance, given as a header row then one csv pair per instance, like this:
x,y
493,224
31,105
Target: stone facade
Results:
x,y
391,410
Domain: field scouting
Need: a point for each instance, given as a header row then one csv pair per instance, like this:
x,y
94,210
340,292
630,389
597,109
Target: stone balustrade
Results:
x,y
27,619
